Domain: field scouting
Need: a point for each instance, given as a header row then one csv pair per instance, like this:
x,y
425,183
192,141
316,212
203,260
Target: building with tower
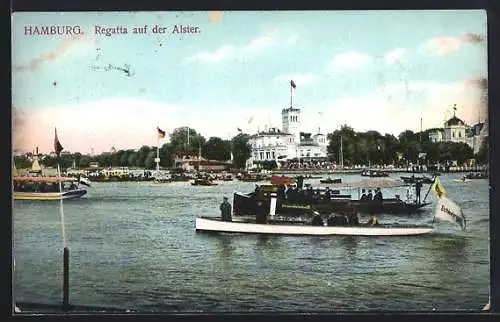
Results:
x,y
289,142
456,130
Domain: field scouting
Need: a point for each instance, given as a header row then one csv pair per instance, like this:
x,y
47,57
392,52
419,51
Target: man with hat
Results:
x,y
363,195
225,210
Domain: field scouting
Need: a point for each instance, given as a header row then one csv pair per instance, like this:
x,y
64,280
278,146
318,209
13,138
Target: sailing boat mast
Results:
x,y
341,153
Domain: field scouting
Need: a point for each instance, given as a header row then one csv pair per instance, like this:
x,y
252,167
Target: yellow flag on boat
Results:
x,y
438,189
450,211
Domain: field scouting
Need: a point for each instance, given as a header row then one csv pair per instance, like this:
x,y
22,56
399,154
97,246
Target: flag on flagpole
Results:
x,y
250,120
292,83
450,211
161,133
239,130
438,189
57,145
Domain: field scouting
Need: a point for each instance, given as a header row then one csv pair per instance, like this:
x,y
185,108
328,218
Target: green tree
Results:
x,y
217,149
132,158
150,158
124,158
180,142
242,150
166,155
85,161
142,155
22,162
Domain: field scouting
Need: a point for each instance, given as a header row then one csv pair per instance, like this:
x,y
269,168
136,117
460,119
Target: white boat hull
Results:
x,y
49,195
216,225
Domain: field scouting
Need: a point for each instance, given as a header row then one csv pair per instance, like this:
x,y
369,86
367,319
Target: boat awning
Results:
x,y
369,184
44,179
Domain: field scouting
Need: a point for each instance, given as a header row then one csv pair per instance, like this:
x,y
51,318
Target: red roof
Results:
x,y
44,179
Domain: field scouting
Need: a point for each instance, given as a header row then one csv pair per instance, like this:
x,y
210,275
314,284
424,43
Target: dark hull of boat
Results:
x,y
247,205
331,181
411,180
203,183
481,176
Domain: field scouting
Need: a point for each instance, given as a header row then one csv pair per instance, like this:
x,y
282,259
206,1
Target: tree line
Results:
x,y
183,141
409,147
357,148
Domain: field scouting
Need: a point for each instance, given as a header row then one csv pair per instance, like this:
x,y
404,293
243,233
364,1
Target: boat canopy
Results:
x,y
44,179
369,184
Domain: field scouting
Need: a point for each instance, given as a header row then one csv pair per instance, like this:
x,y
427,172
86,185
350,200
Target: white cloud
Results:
x,y
443,45
351,59
299,79
254,47
440,46
394,55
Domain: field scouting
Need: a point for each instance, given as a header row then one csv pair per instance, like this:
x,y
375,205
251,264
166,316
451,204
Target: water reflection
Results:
x,y
350,244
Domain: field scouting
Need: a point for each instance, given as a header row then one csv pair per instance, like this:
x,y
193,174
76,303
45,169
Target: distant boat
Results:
x,y
479,175
463,180
281,180
413,180
374,173
36,169
330,180
203,182
46,188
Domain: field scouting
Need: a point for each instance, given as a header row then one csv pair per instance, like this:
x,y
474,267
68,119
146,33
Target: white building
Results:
x,y
455,130
289,142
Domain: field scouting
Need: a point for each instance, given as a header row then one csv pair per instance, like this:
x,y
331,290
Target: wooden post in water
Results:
x,y
66,279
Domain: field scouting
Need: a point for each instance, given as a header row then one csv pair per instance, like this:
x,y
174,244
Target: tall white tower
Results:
x,y
291,122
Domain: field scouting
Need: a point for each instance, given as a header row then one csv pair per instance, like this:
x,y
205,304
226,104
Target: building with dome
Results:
x,y
456,130
289,142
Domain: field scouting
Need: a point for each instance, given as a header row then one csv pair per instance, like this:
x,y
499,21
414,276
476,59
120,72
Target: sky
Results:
x,y
373,70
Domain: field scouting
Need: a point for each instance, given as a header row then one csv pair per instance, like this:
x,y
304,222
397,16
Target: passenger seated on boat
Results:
x,y
373,221
310,194
332,221
327,195
281,191
343,220
317,221
353,219
225,209
378,195
369,196
364,197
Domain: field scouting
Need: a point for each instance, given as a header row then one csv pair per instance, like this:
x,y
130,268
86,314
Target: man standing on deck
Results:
x,y
418,185
225,210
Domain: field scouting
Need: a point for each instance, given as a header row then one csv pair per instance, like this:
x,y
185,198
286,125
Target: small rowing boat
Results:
x,y
213,224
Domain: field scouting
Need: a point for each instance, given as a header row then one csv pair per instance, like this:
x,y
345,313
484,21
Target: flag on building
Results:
x,y
292,83
450,211
161,133
57,145
438,189
422,155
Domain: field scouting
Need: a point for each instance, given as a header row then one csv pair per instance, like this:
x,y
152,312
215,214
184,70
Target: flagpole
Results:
x,y
58,148
65,247
291,95
158,153
430,187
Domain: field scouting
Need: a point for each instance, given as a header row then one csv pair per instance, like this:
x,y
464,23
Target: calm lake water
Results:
x,y
134,246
